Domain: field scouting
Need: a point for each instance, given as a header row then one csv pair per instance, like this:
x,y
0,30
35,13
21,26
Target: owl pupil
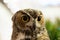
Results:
x,y
24,18
39,18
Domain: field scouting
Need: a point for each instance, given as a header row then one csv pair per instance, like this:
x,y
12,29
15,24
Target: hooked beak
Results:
x,y
31,32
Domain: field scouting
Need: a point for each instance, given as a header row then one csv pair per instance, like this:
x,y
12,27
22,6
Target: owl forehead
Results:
x,y
31,12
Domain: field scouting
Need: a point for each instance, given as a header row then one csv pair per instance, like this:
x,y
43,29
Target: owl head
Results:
x,y
27,20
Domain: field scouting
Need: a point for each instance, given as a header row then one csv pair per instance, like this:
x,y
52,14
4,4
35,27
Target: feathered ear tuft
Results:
x,y
14,17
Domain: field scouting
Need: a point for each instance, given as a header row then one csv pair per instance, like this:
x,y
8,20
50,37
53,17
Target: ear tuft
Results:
x,y
14,17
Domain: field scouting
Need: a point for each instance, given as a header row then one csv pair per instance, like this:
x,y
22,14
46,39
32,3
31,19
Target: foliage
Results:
x,y
53,29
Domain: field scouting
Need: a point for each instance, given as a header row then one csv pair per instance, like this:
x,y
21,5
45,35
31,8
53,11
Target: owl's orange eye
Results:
x,y
25,18
39,18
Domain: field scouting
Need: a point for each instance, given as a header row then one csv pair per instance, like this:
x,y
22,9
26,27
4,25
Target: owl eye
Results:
x,y
39,18
25,18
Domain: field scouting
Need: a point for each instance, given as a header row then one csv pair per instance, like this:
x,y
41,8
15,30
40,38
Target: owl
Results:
x,y
28,24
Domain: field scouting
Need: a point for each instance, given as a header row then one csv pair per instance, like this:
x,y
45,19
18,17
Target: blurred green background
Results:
x,y
53,29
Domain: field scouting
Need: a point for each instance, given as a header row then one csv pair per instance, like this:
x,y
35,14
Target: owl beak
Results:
x,y
33,27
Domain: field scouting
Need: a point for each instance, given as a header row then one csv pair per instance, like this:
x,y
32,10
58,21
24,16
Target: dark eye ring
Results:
x,y
39,18
25,18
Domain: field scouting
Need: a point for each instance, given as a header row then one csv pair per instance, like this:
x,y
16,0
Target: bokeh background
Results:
x,y
50,9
